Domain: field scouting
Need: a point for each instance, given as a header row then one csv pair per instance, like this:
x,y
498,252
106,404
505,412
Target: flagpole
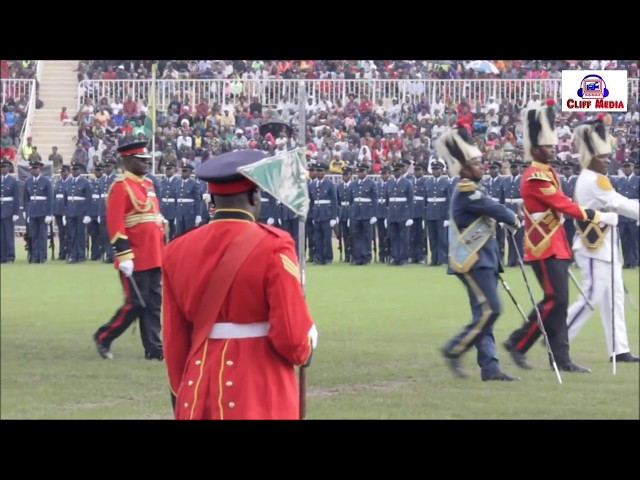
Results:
x,y
302,129
154,67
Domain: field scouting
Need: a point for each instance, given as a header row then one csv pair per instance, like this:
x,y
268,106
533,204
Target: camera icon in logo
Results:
x,y
593,86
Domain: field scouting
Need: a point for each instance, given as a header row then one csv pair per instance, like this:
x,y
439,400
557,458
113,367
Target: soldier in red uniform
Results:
x,y
135,227
235,321
545,244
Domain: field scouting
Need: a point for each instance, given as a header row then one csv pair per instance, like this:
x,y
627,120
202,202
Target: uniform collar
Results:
x,y
133,176
232,214
542,166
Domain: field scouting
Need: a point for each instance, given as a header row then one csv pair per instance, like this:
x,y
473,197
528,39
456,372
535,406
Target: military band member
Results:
x,y
188,202
381,214
592,245
37,202
545,243
473,254
235,360
568,184
493,186
362,195
417,252
513,201
438,193
79,193
59,209
9,212
399,215
269,211
96,212
344,223
109,177
136,229
325,215
169,187
628,185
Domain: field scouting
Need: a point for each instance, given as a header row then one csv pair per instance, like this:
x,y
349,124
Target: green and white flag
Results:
x,y
284,177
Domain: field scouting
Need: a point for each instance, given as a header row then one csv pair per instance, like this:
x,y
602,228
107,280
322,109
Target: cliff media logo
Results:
x,y
594,91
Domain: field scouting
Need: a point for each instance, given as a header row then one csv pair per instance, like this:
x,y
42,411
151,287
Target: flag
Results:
x,y
284,177
148,123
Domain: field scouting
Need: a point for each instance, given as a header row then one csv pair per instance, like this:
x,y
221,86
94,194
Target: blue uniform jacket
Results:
x,y
363,199
325,200
188,198
420,197
471,201
511,192
95,207
78,197
10,197
438,193
38,197
493,186
168,199
343,200
381,211
399,199
60,196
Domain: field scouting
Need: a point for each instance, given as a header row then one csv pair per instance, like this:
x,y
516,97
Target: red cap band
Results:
x,y
134,151
231,188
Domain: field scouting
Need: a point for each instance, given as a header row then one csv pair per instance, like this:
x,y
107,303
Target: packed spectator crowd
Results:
x,y
191,130
15,104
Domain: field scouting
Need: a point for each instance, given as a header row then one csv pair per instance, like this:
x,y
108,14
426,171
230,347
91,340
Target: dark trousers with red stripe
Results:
x,y
149,283
553,276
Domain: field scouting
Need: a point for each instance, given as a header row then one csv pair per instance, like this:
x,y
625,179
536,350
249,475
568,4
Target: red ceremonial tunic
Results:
x,y
544,203
235,378
134,222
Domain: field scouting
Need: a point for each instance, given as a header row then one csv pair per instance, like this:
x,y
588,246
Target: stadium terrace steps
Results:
x,y
58,88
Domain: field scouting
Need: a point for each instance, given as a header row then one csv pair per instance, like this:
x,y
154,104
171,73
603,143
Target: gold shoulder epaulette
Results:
x,y
540,175
466,185
120,177
604,183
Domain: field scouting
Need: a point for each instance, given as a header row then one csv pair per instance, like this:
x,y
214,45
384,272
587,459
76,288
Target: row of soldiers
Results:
x,y
77,203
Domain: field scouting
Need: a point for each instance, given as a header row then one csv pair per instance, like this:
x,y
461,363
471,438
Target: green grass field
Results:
x,y
380,331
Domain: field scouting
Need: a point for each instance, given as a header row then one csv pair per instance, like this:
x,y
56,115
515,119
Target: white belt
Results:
x,y
397,199
185,200
6,199
323,202
418,198
103,195
59,195
381,200
169,200
95,195
497,199
362,200
239,330
344,204
264,199
513,200
437,199
72,199
38,197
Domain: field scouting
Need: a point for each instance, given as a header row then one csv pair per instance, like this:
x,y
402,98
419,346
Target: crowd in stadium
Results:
x,y
193,129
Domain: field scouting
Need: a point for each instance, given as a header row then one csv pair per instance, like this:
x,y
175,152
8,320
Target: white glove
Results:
x,y
165,221
313,334
423,224
206,197
98,219
15,218
446,223
373,220
348,222
27,219
408,223
126,267
270,221
385,223
609,218
86,220
24,214
47,219
332,223
198,220
64,220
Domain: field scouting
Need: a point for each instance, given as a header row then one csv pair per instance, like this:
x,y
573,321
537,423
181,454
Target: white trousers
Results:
x,y
596,285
